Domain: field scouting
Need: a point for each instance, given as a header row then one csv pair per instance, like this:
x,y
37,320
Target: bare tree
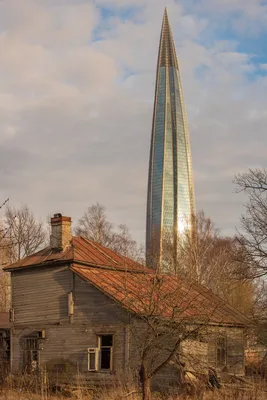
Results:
x,y
196,249
5,284
161,329
25,233
5,287
126,245
165,311
211,260
253,236
3,229
94,225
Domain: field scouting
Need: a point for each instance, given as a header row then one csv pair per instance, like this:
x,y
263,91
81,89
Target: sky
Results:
x,y
77,81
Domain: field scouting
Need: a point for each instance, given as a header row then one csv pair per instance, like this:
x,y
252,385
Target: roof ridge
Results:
x,y
82,264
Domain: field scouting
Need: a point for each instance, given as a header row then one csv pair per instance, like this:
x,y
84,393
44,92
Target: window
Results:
x,y
221,350
31,354
105,349
5,345
93,359
100,358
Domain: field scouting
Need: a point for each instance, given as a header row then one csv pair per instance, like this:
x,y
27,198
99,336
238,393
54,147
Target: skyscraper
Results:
x,y
170,198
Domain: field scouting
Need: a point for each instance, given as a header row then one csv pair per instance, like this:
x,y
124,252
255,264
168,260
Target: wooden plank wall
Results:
x,y
235,344
40,301
41,295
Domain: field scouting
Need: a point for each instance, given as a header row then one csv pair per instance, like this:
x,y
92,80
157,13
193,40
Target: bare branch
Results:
x,y
94,225
253,236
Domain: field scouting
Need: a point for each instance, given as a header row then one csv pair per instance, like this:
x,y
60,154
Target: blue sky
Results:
x,y
76,97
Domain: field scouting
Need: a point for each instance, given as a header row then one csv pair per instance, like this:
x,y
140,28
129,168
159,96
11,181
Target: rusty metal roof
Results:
x,y
132,285
148,293
81,250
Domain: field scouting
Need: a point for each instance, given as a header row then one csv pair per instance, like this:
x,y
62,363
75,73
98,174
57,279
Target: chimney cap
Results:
x,y
58,217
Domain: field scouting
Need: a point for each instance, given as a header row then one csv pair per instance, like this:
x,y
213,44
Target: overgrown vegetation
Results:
x,y
38,388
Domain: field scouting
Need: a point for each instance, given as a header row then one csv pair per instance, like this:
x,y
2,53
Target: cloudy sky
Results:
x,y
76,94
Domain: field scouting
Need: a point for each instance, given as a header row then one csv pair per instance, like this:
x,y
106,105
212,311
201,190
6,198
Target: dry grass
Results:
x,y
30,390
255,393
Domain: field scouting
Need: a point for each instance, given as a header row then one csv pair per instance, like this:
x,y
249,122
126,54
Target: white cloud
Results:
x,y
75,114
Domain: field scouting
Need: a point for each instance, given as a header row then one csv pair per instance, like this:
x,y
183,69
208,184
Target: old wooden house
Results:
x,y
74,304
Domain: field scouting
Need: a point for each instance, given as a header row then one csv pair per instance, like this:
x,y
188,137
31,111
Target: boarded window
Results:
x,y
221,350
106,351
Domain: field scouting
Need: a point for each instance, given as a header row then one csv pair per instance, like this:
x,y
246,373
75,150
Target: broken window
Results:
x,y
221,350
31,354
105,350
100,358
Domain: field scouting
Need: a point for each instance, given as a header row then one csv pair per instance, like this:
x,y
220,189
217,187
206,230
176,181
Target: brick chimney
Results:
x,y
61,232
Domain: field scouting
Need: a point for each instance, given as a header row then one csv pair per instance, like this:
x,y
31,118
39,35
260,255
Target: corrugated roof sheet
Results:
x,y
161,295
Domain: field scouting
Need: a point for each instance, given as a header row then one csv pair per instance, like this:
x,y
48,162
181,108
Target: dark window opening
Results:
x,y
221,350
5,345
106,347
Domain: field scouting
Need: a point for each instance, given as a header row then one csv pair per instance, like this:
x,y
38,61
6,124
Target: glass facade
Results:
x,y
170,201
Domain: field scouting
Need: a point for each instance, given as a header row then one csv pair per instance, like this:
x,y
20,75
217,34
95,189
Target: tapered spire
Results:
x,y
167,53
170,194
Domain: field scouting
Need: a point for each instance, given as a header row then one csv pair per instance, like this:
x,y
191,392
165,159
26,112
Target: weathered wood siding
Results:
x,y
40,301
235,349
65,347
93,307
41,295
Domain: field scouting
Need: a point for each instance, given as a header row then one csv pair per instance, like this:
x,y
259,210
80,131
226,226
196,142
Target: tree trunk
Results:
x,y
145,381
146,389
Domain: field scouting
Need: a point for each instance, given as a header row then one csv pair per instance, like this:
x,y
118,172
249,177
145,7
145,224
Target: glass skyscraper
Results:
x,y
170,198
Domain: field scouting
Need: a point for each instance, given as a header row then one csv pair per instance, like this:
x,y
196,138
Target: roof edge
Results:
x,y
44,264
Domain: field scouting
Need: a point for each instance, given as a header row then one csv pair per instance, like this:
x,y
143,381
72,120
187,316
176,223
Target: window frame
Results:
x,y
105,347
95,351
31,352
